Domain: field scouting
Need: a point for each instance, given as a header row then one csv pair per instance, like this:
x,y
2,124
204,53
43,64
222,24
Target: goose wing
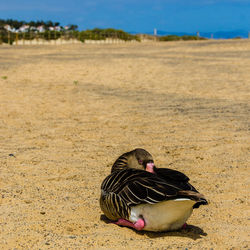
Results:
x,y
171,174
137,186
175,177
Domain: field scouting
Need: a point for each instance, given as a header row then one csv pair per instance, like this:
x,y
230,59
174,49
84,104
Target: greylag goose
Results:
x,y
137,194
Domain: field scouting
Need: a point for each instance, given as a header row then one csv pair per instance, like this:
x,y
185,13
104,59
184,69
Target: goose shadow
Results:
x,y
191,231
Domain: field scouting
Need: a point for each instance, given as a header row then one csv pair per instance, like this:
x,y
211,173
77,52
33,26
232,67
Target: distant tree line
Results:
x,y
46,24
103,34
13,30
180,38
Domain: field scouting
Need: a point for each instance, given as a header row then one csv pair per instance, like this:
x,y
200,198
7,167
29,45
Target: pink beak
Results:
x,y
150,167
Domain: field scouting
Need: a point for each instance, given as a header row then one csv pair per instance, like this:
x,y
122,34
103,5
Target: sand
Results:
x,y
68,111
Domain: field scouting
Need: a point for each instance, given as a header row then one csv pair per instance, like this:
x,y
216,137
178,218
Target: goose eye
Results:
x,y
140,162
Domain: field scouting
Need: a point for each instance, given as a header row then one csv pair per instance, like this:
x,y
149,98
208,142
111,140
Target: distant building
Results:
x,y
24,28
57,28
40,28
32,28
9,28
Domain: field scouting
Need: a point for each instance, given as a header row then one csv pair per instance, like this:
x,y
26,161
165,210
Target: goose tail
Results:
x,y
199,198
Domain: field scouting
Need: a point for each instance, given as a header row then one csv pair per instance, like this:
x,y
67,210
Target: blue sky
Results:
x,y
135,15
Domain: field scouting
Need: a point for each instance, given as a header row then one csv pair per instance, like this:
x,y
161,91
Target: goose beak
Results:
x,y
150,167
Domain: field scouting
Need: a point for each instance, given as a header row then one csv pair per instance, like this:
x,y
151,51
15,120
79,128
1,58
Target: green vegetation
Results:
x,y
4,77
180,38
103,34
13,30
10,37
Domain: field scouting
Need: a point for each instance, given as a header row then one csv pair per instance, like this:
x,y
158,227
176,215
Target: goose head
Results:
x,y
144,160
138,158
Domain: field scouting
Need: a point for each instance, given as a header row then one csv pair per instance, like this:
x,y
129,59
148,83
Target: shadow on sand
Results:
x,y
192,232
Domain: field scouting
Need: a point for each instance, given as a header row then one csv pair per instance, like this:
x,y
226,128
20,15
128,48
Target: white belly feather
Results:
x,y
165,215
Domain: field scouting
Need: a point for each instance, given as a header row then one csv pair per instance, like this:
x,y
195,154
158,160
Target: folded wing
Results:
x,y
137,186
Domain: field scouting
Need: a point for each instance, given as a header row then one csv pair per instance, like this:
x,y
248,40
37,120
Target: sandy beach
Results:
x,y
68,111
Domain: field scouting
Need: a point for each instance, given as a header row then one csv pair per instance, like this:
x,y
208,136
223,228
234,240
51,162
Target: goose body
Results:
x,y
157,199
162,216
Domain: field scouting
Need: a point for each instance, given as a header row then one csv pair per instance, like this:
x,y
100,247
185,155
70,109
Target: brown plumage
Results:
x,y
137,158
137,190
